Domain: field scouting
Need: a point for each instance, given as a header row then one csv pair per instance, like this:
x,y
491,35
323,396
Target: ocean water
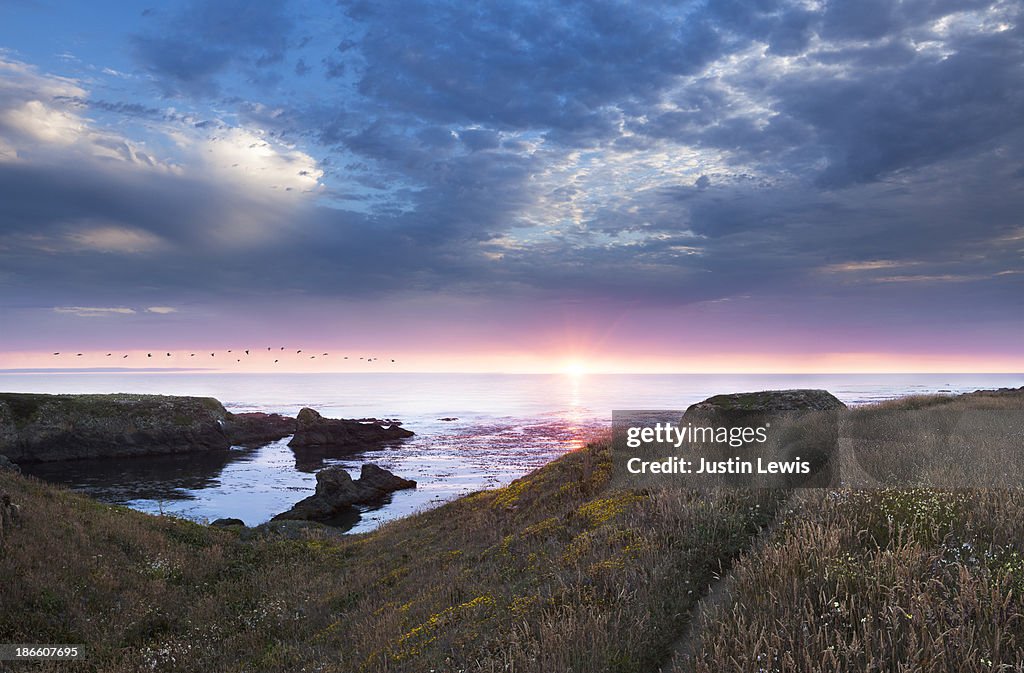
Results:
x,y
505,426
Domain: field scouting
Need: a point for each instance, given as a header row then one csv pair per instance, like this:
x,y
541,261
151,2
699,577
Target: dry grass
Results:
x,y
913,580
907,579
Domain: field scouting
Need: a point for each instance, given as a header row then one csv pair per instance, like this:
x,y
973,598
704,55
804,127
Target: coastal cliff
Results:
x,y
36,427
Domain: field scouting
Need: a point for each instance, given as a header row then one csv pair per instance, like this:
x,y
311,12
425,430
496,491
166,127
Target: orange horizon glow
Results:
x,y
518,363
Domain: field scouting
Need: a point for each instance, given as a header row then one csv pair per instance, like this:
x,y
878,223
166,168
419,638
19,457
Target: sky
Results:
x,y
770,185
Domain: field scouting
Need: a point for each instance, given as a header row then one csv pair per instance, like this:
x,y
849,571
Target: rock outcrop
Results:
x,y
257,429
336,492
736,406
313,430
43,428
7,464
802,423
227,522
35,427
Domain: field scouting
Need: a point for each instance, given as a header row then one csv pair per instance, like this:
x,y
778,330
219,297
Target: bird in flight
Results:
x,y
56,353
246,351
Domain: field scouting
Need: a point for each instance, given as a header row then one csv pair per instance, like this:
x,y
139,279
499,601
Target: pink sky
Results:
x,y
445,334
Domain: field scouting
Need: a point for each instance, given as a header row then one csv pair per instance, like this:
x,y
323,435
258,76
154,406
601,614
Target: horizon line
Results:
x,y
192,370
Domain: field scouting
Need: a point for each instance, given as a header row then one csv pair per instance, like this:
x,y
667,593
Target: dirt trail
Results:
x,y
681,659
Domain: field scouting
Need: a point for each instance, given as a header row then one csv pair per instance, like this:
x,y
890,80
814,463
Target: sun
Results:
x,y
574,368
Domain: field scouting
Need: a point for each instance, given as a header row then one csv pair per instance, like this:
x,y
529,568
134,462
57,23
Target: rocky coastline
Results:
x,y
42,428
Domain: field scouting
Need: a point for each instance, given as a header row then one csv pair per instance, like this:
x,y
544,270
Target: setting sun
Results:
x,y
574,368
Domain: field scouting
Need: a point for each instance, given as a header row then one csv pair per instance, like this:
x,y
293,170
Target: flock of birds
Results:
x,y
231,352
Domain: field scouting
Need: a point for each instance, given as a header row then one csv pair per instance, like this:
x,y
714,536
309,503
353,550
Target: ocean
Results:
x,y
504,426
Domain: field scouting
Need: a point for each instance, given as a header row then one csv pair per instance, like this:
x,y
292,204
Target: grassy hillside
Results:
x,y
882,580
912,580
556,572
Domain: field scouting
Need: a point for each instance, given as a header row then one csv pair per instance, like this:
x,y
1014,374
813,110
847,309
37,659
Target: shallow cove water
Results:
x,y
506,425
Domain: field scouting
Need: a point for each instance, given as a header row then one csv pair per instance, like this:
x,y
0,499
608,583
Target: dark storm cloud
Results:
x,y
887,107
894,118
517,65
186,51
197,252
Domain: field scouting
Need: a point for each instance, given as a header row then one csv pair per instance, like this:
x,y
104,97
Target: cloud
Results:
x,y
93,311
249,157
867,265
113,239
523,65
186,50
41,121
106,312
586,154
74,185
924,278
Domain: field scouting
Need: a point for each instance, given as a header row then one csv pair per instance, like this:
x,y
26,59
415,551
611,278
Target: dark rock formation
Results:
x,y
227,522
6,464
313,430
374,480
257,429
736,406
801,423
37,427
41,428
336,491
997,392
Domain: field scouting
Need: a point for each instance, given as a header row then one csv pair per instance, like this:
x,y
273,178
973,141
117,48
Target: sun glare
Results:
x,y
574,368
